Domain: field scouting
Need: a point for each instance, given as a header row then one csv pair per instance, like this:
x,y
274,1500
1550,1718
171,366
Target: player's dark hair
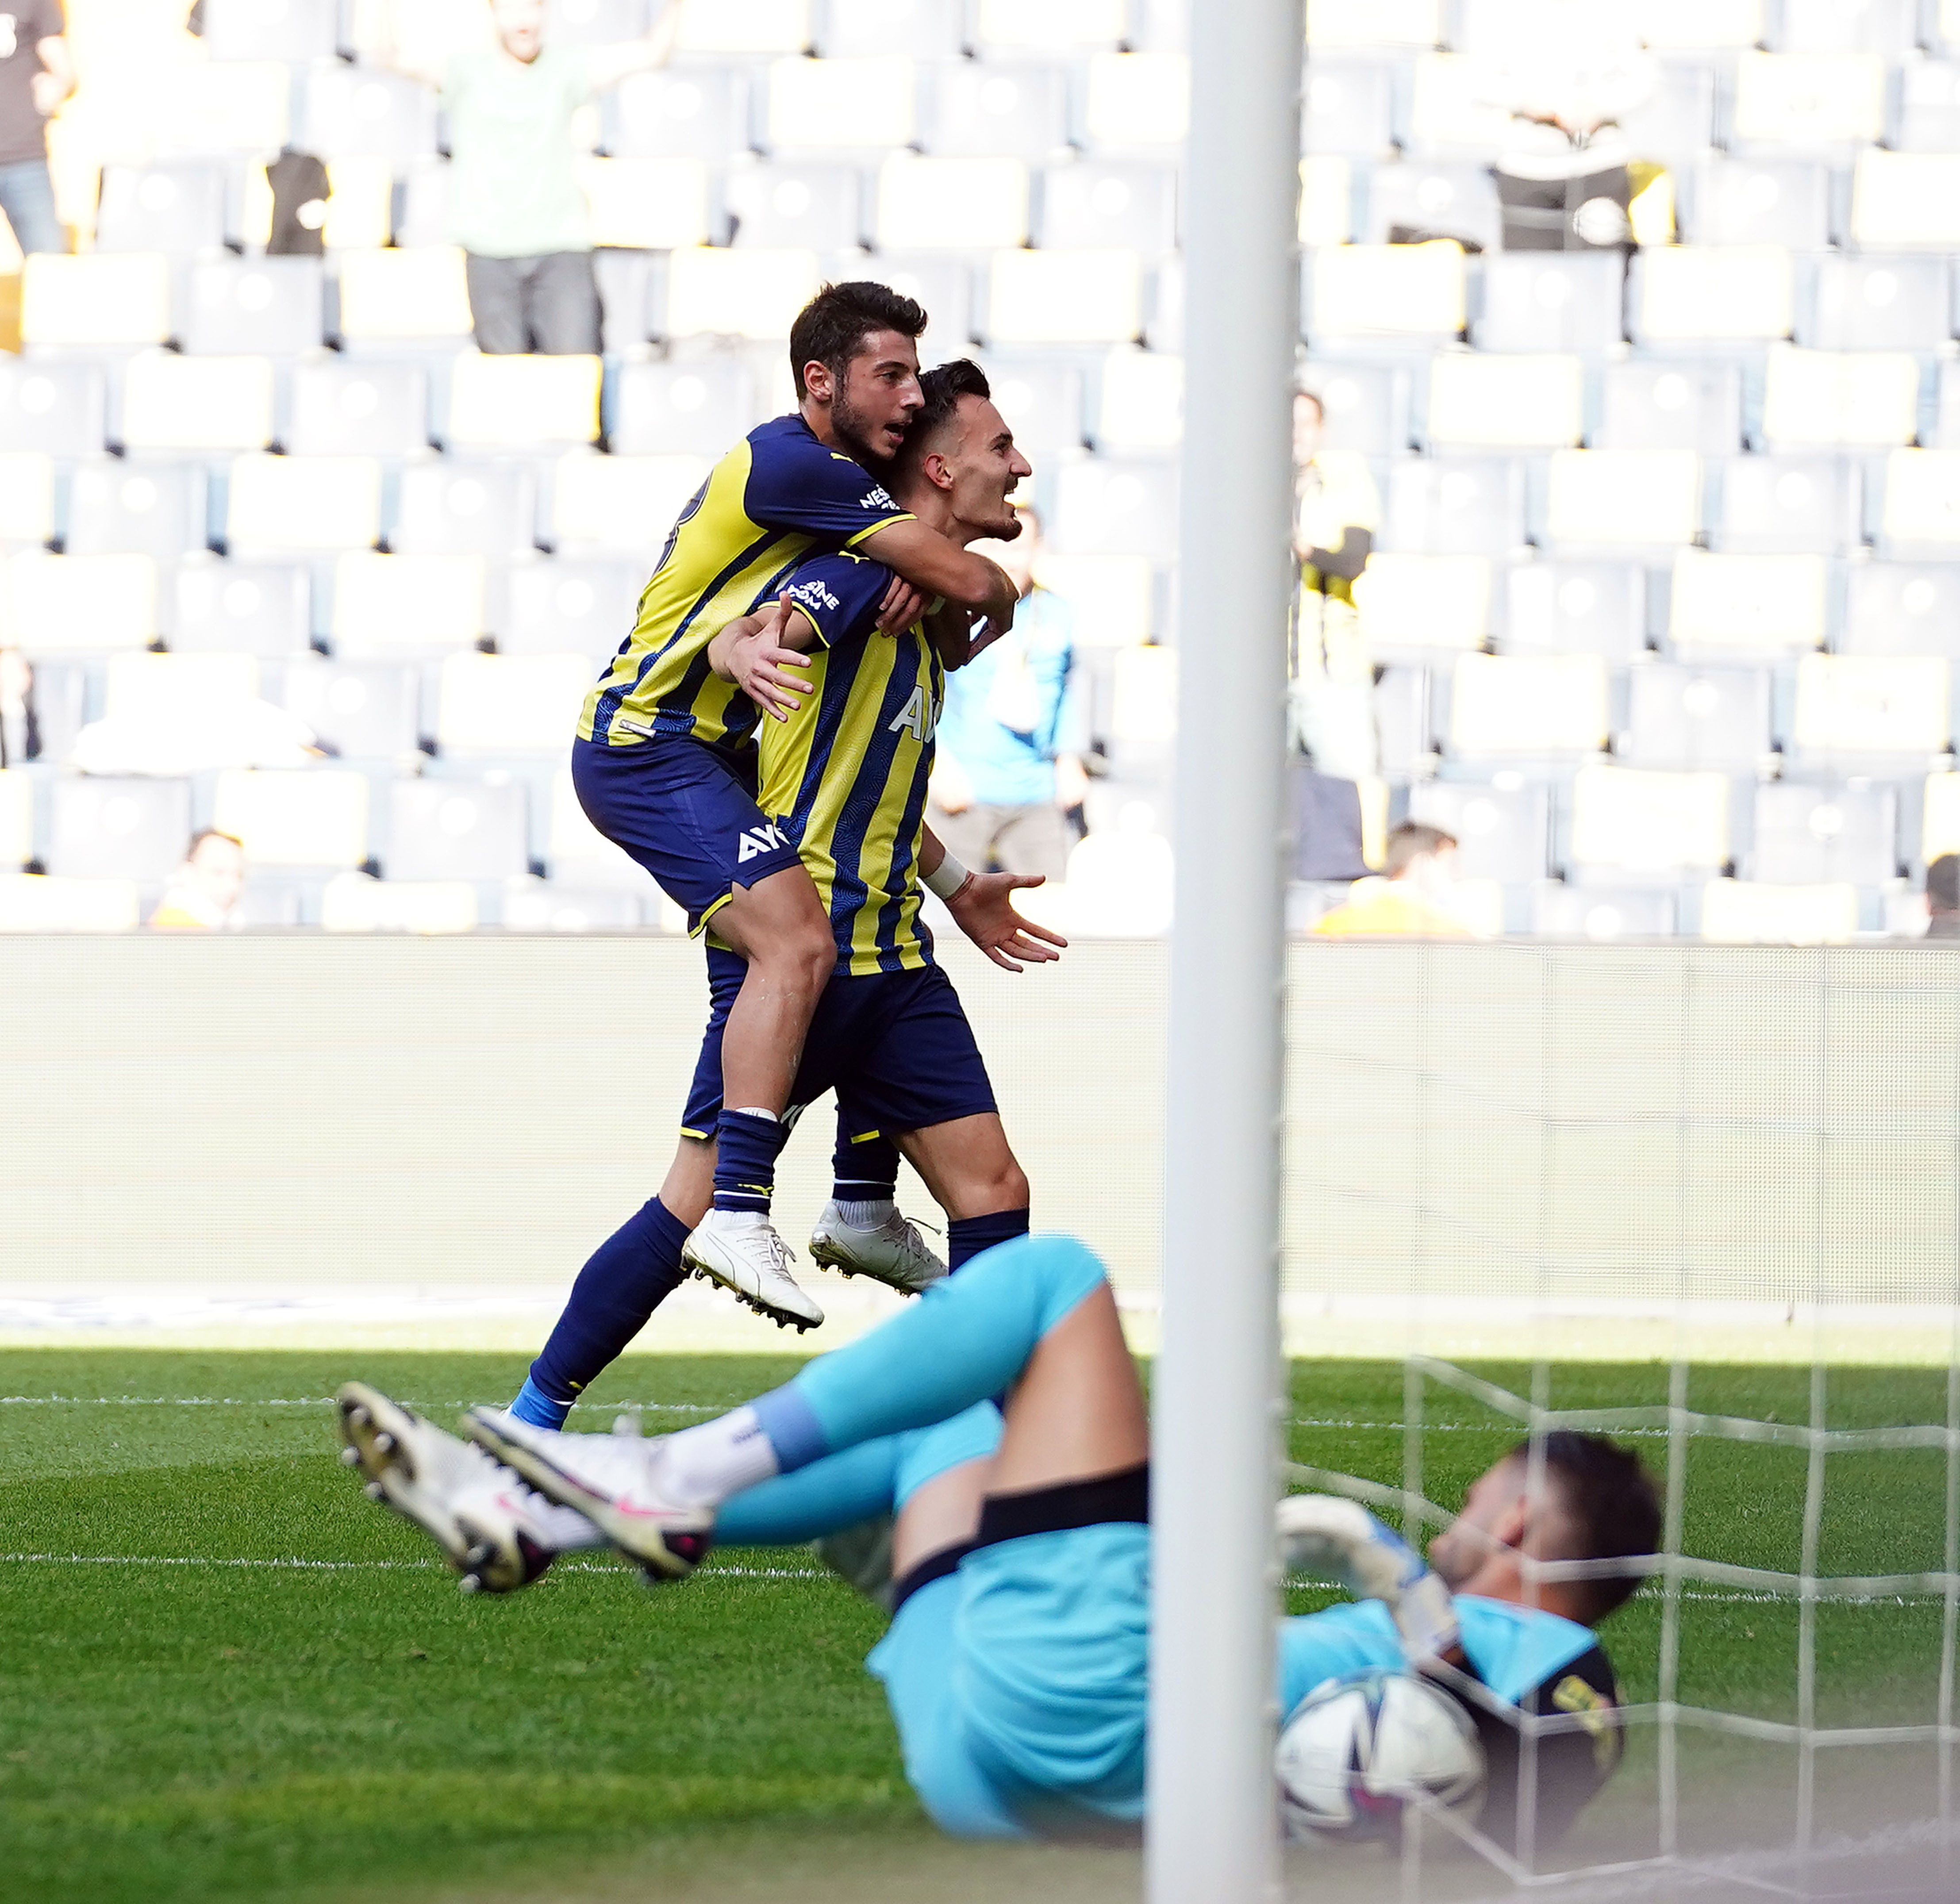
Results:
x,y
1609,1498
1302,395
1942,883
1409,842
942,386
197,838
830,328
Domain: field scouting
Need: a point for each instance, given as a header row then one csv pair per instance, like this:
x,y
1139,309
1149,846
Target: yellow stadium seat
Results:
x,y
1740,912
360,205
1055,25
733,293
386,604
1941,819
1629,498
1691,26
16,819
302,818
1138,99
1112,596
26,496
1409,601
646,204
624,502
1721,601
1485,401
1326,201
1065,298
102,298
169,687
493,704
174,402
417,292
745,27
1389,291
818,102
225,105
30,903
1527,704
64,602
1900,200
303,503
1628,821
1694,293
1869,705
1922,507
1861,399
1810,99
513,402
1332,23
353,902
933,204
1143,401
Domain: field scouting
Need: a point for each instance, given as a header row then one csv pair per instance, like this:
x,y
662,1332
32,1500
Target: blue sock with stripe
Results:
x,y
863,1171
967,1236
628,1277
747,1143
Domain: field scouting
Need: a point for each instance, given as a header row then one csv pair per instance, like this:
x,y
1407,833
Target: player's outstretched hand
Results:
x,y
902,606
984,909
756,662
1340,1540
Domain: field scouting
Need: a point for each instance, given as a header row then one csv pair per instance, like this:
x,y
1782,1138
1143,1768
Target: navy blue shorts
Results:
x,y
685,813
895,1047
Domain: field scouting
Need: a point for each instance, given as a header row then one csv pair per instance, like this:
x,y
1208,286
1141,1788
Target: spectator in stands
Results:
x,y
1009,772
1337,510
516,205
204,892
36,73
1942,897
1413,902
20,731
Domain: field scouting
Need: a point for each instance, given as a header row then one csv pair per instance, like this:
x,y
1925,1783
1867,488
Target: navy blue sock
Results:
x,y
746,1143
865,1170
626,1279
967,1236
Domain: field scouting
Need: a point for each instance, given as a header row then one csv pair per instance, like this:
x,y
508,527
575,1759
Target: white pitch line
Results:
x,y
365,1566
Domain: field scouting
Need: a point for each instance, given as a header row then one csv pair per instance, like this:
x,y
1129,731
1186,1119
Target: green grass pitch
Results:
x,y
224,1675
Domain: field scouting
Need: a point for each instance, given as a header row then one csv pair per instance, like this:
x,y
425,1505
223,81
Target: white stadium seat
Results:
x,y
980,109
1939,822
1452,108
1143,401
174,206
517,402
1809,99
417,292
26,497
696,406
241,306
1478,401
1693,26
745,27
1761,202
269,30
1546,300
1748,602
1922,504
925,29
1865,303
1901,608
1388,292
1106,507
1064,298
457,829
307,817
1625,497
1863,399
344,406
165,688
929,204
452,507
1741,912
1577,607
1527,704
303,503
1349,107
576,850
566,605
1410,601
1112,596
114,827
1699,293
622,503
175,402
1455,505
795,205
121,507
1887,26
57,409
1858,705
1446,197
103,298
814,103
1903,199
56,602
390,605
225,105
647,204
1330,23
1626,821
1053,26
1663,404
698,113
16,819
1138,99
737,293
1692,719
1789,503
360,204
30,903
353,902
1326,201
239,607
360,111
1143,701
1109,204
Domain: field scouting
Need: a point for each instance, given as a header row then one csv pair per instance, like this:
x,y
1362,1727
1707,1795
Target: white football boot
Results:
x,y
891,1252
613,1480
492,1529
741,1252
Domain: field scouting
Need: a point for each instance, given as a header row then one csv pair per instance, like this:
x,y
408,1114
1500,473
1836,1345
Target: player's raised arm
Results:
x,y
936,566
982,905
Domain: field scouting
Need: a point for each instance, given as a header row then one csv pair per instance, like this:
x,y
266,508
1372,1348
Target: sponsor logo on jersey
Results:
x,y
757,840
919,715
812,594
878,498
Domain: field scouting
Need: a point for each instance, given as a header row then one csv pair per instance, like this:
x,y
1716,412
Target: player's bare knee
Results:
x,y
1006,1188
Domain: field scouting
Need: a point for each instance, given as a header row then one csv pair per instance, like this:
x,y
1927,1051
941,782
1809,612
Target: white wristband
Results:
x,y
948,877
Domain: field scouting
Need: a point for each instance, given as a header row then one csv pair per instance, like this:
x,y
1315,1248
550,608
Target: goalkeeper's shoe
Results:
x,y
614,1480
891,1252
742,1252
1340,1540
474,1508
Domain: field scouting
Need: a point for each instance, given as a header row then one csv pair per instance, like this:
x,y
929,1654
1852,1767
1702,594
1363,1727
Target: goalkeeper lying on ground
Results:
x,y
1019,1559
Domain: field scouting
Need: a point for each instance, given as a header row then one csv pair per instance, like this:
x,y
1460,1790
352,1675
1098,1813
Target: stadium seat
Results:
x,y
403,294
1861,706
1142,405
1143,704
302,505
1501,833
781,207
1697,295
1101,205
621,504
920,29
456,830
1887,27
1928,118
1536,301
1435,200
363,111
1939,822
360,203
362,710
1326,201
1456,506
1902,608
165,689
1402,726
233,107
1685,719
627,281
1042,400
1561,911
242,608
1728,601
700,113
970,109
1627,823
925,204
1113,596
1900,200
306,817
1739,912
746,26
1389,294
174,205
537,905
1853,399
493,703
519,402
1788,504
1482,401
27,499
103,827
16,819
1052,26
1808,100
1922,504
1695,26
1064,298
815,104
237,306
1816,835
1109,508
578,853
1528,705
452,508
291,31
60,602
344,406
1366,406
1136,99
1577,607
940,281
174,402
1761,202
1409,602
1878,304
116,508
1676,124
1623,498
1647,405
390,605
1332,24
353,902
739,292
696,406
568,606
102,298
651,204
51,408
1349,108
30,903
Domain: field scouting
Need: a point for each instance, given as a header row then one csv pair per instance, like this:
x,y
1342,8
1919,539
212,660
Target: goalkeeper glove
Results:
x,y
1340,1540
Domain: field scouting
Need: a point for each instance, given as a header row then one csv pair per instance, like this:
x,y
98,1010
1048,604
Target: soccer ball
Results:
x,y
1360,1745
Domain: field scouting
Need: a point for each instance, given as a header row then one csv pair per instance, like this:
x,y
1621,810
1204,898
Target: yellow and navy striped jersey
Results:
x,y
778,496
846,776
